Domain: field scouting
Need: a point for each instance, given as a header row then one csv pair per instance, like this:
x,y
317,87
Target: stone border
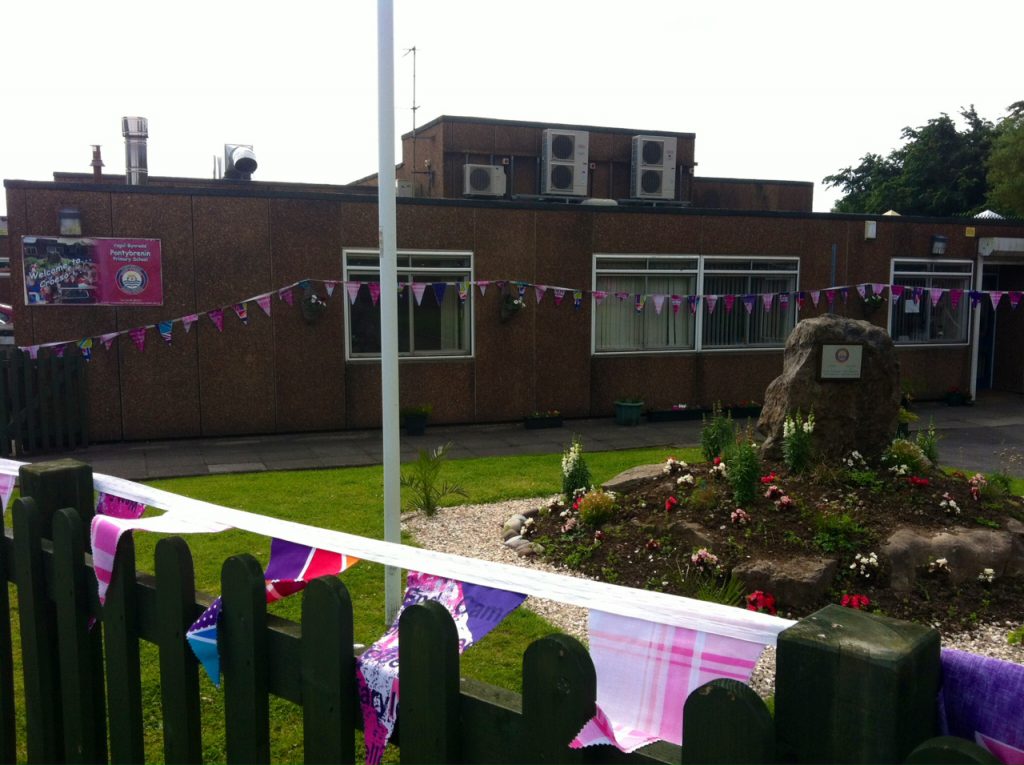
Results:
x,y
511,534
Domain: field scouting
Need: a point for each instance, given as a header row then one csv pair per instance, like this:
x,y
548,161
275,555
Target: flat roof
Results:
x,y
543,126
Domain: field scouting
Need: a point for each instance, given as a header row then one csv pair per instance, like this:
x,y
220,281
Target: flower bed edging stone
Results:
x,y
511,533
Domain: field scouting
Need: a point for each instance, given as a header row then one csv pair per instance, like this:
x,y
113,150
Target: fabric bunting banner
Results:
x,y
439,290
329,286
188,321
116,507
844,293
33,351
165,328
476,611
559,294
783,300
374,292
483,284
599,296
577,299
6,490
935,294
418,289
692,301
766,301
263,301
242,313
896,290
710,301
830,296
290,569
539,291
138,336
748,302
877,289
1014,299
862,291
59,350
675,301
463,288
85,346
353,291
730,301
980,700
217,317
659,303
638,302
815,297
285,293
995,296
645,671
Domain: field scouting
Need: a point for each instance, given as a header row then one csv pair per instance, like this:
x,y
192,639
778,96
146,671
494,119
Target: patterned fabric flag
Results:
x,y
483,284
439,289
1015,297
539,290
877,289
188,321
995,296
783,300
217,317
815,297
844,293
896,291
463,288
980,700
801,298
638,303
710,301
675,301
374,288
476,611
33,351
285,293
242,312
6,490
418,288
935,293
263,301
165,328
830,296
622,296
353,291
862,291
693,301
954,298
118,507
559,294
58,350
975,298
329,285
730,301
138,336
748,303
577,299
659,303
599,296
85,346
291,567
645,671
521,286
766,301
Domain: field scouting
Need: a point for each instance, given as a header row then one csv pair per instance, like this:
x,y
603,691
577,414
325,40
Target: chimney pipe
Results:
x,y
135,131
97,162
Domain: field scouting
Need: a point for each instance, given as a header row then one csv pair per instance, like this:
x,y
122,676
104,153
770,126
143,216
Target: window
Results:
x,y
748,277
918,321
619,327
437,325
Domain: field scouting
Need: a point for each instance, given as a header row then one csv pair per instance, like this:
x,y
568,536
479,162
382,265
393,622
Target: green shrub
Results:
x,y
1016,637
575,473
728,592
597,508
744,469
717,434
423,479
796,441
928,442
703,499
904,457
838,533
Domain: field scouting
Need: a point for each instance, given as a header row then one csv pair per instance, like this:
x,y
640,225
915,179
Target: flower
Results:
x,y
740,517
773,492
784,502
718,469
672,465
939,565
855,601
767,479
977,482
916,481
864,565
762,602
986,576
949,504
678,407
599,536
653,544
704,559
670,503
855,461
685,479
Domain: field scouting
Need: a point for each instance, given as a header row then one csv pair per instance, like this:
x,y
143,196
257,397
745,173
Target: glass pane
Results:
x,y
616,325
438,325
669,329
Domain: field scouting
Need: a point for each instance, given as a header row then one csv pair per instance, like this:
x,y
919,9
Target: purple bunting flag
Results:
x,y
58,350
830,296
815,297
766,301
748,303
217,317
138,336
263,301
33,351
877,289
188,321
539,290
995,296
439,290
692,301
599,296
353,291
844,293
975,298
285,293
1015,297
862,291
935,293
659,303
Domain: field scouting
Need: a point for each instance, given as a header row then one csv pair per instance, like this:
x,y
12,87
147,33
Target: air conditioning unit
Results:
x,y
565,162
654,167
483,180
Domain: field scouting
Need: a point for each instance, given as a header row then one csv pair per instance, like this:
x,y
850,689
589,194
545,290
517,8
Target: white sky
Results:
x,y
786,90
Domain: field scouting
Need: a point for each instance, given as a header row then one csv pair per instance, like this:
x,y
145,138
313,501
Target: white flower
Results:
x,y
686,479
987,575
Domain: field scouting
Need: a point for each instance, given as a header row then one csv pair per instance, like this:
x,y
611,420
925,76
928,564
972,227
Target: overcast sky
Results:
x,y
785,90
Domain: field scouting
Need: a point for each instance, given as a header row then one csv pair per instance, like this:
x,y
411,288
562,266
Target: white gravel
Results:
x,y
475,531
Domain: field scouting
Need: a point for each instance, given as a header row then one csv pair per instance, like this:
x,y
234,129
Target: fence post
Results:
x,y
121,639
57,484
45,731
559,689
81,656
179,670
428,653
853,687
328,673
724,721
8,739
243,647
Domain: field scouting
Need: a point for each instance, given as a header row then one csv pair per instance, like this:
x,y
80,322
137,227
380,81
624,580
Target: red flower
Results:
x,y
762,602
653,544
784,502
670,503
717,460
767,479
598,535
855,601
915,481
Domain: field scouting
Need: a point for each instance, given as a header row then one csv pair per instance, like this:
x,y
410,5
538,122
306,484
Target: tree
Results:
x,y
938,171
1006,164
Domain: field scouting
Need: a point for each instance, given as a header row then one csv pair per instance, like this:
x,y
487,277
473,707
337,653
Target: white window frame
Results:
x,y
968,276
456,273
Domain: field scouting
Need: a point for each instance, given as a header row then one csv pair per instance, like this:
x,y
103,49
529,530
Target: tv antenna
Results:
x,y
414,106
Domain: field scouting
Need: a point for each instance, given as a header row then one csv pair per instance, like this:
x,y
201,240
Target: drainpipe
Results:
x,y
976,329
136,132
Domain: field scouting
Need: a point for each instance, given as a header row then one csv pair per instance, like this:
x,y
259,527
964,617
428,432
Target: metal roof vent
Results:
x,y
239,161
136,132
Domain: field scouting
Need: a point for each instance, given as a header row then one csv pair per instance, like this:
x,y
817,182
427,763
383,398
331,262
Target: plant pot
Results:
x,y
628,413
414,424
539,423
674,415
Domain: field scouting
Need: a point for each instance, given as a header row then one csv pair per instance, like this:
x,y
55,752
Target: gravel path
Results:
x,y
475,531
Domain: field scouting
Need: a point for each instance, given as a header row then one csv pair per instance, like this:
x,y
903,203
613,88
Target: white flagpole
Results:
x,y
388,296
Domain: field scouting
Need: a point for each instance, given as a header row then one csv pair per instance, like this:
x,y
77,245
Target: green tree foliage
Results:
x,y
1006,164
940,170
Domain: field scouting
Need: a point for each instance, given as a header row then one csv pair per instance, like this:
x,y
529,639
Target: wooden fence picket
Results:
x,y
328,673
724,721
559,689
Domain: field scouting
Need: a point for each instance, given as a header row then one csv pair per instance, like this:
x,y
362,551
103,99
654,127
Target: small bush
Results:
x,y
928,442
796,441
597,508
744,469
727,592
575,473
904,457
838,533
717,434
703,499
423,479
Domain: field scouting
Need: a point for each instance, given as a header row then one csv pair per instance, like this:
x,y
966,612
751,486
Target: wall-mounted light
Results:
x,y
70,221
939,244
870,229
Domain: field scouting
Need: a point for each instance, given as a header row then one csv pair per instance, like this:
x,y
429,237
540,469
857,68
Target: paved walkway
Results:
x,y
987,436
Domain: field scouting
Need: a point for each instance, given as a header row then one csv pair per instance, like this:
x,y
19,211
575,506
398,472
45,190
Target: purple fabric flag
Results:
x,y
559,294
659,303
896,290
980,700
748,303
935,293
285,293
995,296
374,288
6,490
693,301
710,301
188,321
622,296
202,639
1015,297
539,290
439,289
954,298
217,317
599,296
476,611
58,350
830,297
353,291
783,300
166,330
118,507
329,285
766,301
242,312
844,293
730,300
975,297
801,298
33,351
138,336
577,299
263,301
877,289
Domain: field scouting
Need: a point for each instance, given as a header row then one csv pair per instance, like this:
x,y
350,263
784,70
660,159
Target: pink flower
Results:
x,y
855,601
599,536
670,503
653,544
784,502
773,492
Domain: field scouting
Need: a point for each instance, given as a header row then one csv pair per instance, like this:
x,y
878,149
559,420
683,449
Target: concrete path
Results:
x,y
987,436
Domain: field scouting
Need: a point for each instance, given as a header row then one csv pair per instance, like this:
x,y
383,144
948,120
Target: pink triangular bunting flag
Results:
x,y
353,291
710,301
483,284
730,301
659,303
263,301
675,301
374,291
830,296
935,293
329,285
896,291
539,290
954,298
815,297
995,296
599,296
862,290
418,288
217,317
285,293
108,339
138,336
877,289
1015,297
559,294
766,301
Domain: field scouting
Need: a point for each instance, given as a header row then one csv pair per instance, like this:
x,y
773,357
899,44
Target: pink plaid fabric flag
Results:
x,y
483,284
353,291
118,507
645,671
995,296
6,490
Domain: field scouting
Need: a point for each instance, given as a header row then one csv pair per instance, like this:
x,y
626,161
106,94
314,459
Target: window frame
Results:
x,y
450,274
968,275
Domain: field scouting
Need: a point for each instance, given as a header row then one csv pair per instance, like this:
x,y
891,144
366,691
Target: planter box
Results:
x,y
628,413
539,423
414,424
675,415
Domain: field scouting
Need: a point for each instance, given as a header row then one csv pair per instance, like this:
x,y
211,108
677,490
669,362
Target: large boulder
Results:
x,y
966,551
849,415
796,582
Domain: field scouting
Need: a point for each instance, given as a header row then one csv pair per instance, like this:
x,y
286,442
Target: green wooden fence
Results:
x,y
42,403
850,687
